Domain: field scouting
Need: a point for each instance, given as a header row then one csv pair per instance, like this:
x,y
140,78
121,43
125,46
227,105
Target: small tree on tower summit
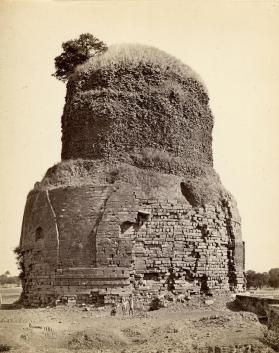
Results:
x,y
76,52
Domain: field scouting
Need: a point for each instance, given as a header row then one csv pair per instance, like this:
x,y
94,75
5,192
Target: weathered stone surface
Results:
x,y
259,305
109,240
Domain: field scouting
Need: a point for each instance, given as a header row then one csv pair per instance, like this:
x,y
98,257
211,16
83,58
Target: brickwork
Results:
x,y
101,241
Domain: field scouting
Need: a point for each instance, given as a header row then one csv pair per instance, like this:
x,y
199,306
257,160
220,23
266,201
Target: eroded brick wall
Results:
x,y
98,241
169,238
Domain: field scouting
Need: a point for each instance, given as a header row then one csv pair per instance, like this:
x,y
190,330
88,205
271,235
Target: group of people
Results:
x,y
126,305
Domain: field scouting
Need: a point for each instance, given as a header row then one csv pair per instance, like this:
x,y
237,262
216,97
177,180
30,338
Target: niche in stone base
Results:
x,y
129,228
39,234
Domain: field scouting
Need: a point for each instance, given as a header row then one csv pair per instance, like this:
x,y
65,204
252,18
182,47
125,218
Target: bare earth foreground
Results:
x,y
180,327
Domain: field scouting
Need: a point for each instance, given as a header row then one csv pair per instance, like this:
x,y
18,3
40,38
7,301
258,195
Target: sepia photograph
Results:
x,y
139,176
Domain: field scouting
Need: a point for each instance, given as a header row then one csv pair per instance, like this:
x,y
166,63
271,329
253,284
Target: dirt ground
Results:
x,y
180,327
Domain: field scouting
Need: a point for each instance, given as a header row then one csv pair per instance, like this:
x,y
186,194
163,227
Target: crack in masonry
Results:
x,y
56,227
24,220
231,266
100,218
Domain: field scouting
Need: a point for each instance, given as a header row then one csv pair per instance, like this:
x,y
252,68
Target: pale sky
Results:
x,y
233,45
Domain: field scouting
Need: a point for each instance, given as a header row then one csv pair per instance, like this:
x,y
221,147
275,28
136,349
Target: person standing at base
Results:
x,y
124,305
131,304
113,309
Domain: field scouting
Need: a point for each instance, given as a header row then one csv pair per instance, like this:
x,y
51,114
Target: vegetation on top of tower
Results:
x,y
76,52
133,96
146,113
135,57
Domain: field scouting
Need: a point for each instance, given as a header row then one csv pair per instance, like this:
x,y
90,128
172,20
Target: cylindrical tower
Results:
x,y
135,206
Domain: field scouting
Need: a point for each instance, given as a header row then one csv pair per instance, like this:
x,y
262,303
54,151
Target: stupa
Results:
x,y
135,205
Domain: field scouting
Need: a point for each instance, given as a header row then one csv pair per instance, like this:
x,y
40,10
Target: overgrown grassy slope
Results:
x,y
198,189
133,97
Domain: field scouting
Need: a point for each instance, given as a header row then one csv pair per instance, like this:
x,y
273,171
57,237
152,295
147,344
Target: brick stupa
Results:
x,y
135,205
